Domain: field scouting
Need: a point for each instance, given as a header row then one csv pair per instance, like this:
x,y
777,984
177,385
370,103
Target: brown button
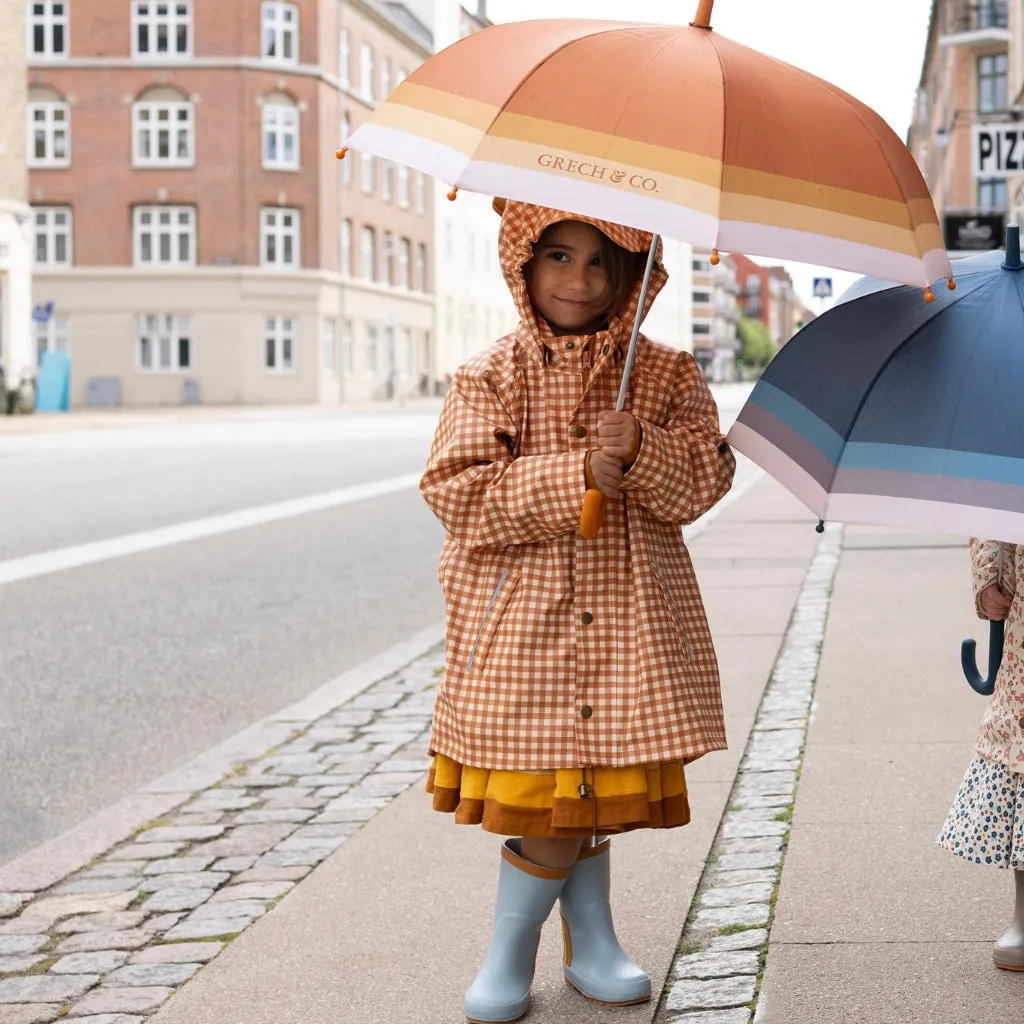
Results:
x,y
579,430
586,711
570,344
586,618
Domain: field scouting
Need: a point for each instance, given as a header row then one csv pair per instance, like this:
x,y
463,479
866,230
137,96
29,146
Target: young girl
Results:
x,y
580,674
984,823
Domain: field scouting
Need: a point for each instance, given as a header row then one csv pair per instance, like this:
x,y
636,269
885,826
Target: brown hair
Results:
x,y
623,268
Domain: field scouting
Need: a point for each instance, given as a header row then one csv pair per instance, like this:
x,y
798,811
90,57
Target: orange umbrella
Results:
x,y
672,129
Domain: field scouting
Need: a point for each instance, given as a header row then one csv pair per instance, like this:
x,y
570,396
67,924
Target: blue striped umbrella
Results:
x,y
892,411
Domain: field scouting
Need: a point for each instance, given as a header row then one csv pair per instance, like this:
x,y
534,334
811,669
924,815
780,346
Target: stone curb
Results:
x,y
717,972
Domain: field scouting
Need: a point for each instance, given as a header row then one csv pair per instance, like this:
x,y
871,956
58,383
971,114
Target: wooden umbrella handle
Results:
x,y
592,515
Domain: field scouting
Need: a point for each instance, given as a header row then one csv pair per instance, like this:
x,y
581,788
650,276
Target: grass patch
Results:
x,y
690,946
43,966
734,807
152,823
735,929
786,815
237,771
438,672
270,904
227,937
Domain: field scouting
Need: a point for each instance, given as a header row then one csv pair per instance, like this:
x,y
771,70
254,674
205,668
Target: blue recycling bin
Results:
x,y
53,385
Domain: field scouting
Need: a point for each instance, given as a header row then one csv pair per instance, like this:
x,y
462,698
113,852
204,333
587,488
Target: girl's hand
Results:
x,y
606,471
994,603
619,434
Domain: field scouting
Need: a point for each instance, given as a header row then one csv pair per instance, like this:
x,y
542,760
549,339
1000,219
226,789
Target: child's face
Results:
x,y
566,282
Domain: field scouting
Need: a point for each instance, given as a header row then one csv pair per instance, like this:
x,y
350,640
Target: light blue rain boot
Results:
x,y
595,963
526,893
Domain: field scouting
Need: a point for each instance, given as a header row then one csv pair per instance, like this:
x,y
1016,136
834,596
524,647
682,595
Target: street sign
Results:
x,y
998,150
973,232
823,287
42,313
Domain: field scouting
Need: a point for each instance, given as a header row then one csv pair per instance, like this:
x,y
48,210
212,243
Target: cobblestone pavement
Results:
x,y
717,973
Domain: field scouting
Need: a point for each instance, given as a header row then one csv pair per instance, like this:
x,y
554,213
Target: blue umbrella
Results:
x,y
891,411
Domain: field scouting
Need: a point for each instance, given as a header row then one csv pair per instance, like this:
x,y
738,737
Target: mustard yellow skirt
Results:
x,y
566,803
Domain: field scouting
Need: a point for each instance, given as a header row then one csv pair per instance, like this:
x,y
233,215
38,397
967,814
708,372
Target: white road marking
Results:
x,y
61,559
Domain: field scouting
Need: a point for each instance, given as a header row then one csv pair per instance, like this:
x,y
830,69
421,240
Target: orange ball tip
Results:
x,y
951,285
715,258
340,154
453,193
929,295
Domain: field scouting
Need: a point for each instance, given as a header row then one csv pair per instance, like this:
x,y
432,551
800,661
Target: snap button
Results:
x,y
579,430
570,344
723,447
586,618
586,711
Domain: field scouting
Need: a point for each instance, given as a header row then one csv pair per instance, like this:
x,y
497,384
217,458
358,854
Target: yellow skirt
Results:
x,y
550,803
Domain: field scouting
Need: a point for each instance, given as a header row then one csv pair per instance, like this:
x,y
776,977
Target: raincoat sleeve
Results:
x,y
483,494
684,465
985,569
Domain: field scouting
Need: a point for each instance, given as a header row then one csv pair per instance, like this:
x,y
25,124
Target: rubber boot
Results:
x,y
595,963
526,894
1009,949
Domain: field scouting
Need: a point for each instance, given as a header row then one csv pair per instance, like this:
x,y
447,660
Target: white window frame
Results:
x,y
346,164
403,353
420,282
281,125
164,225
421,193
278,22
280,333
49,21
329,345
172,328
345,57
45,224
345,242
366,62
387,179
274,227
403,263
53,127
156,119
347,353
403,187
367,173
52,334
368,233
385,77
388,262
371,351
146,13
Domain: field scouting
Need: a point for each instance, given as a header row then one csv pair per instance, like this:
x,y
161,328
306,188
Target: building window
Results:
x,y
281,137
48,29
368,251
366,71
370,354
421,267
328,342
163,134
52,336
404,263
421,193
345,57
279,237
279,349
992,83
346,347
992,194
280,32
346,164
702,298
53,236
403,357
346,248
165,236
367,174
701,267
387,176
389,258
49,143
701,329
164,343
403,187
161,30
385,78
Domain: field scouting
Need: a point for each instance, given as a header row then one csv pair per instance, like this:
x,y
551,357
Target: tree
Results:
x,y
758,347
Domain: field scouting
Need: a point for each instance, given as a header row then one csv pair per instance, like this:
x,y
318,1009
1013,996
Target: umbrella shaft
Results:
x,y
631,353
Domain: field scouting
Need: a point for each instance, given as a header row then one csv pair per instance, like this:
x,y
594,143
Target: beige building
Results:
x,y
716,314
968,127
17,356
194,231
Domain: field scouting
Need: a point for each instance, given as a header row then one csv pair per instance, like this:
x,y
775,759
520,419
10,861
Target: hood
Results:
x,y
522,224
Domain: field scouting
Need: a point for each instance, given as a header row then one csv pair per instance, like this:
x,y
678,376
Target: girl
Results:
x,y
580,674
984,823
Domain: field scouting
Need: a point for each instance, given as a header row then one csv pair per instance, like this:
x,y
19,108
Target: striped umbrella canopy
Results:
x,y
887,410
673,129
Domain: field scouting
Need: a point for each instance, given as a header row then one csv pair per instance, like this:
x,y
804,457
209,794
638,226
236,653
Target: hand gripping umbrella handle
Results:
x,y
985,685
593,502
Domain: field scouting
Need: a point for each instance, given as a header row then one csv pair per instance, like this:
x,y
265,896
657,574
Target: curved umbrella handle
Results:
x,y
986,685
592,515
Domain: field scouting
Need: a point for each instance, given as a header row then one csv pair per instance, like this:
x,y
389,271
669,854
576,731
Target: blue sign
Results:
x,y
53,385
823,287
42,313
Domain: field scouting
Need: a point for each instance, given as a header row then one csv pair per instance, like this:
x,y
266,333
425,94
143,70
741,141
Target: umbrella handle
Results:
x,y
984,686
592,515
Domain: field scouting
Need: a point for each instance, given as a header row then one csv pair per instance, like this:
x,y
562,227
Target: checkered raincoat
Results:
x,y
564,652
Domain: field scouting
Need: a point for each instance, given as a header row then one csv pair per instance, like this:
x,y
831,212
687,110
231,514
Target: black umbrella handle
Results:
x,y
985,685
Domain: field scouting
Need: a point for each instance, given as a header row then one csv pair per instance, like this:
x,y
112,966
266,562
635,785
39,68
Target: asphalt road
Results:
x,y
113,673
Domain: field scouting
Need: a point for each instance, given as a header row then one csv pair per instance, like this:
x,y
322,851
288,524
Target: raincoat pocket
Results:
x,y
676,613
505,587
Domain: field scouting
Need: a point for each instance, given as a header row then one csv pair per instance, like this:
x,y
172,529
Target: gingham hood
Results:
x,y
522,224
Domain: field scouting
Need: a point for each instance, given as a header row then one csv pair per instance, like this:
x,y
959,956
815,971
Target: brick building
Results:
x,y
716,313
194,230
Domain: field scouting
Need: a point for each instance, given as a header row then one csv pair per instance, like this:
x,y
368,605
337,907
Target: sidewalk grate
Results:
x,y
717,973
